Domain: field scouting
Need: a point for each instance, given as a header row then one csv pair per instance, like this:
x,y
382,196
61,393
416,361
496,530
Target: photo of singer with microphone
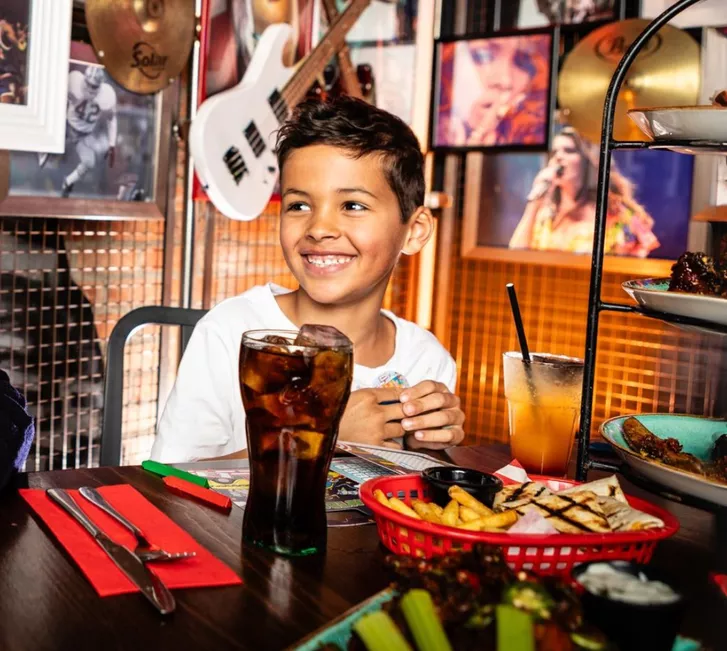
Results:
x,y
561,206
493,92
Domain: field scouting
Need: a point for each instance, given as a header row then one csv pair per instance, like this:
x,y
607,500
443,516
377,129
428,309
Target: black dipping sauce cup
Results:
x,y
480,485
632,627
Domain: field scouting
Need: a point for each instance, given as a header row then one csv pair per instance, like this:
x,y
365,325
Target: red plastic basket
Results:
x,y
553,554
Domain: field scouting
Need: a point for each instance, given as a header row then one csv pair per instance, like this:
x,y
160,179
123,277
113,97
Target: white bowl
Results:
x,y
682,122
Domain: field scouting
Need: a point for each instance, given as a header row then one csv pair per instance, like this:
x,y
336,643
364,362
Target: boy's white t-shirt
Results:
x,y
204,416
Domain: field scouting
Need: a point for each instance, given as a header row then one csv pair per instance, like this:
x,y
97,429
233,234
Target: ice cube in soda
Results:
x,y
321,336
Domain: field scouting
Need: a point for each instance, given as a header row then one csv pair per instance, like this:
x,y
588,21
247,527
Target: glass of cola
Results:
x,y
294,386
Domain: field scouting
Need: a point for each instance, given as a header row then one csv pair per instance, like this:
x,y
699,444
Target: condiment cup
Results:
x,y
632,627
481,485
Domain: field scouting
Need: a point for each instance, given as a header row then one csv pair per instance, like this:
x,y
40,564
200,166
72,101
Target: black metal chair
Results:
x,y
114,378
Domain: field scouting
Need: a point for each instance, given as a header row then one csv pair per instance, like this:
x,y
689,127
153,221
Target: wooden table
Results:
x,y
46,604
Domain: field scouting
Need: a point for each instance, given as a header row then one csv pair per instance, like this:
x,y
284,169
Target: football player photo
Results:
x,y
110,147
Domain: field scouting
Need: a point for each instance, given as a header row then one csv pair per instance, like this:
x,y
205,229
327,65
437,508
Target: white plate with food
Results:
x,y
682,122
654,294
685,453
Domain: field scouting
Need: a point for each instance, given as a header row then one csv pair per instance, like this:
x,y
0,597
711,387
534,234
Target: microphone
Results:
x,y
541,189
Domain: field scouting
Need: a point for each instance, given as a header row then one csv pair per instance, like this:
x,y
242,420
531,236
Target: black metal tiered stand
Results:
x,y
595,305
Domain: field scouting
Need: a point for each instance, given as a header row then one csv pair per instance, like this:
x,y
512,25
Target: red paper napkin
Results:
x,y
720,580
203,570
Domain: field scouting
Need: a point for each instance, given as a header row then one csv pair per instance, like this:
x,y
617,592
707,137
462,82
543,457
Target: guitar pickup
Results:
x,y
254,139
235,164
277,103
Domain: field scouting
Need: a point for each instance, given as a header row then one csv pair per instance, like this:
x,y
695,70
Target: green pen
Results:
x,y
166,471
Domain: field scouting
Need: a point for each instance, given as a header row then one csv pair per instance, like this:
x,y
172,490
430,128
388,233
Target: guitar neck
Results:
x,y
348,76
296,89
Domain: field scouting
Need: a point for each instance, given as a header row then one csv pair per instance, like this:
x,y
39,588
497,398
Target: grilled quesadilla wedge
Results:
x,y
622,517
577,513
514,495
606,487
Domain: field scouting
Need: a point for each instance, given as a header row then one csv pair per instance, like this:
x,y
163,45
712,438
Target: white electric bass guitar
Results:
x,y
232,138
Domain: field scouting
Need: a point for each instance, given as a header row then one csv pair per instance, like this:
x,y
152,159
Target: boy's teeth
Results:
x,y
327,260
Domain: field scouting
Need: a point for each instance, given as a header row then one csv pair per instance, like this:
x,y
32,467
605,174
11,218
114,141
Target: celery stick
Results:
x,y
379,633
424,622
514,629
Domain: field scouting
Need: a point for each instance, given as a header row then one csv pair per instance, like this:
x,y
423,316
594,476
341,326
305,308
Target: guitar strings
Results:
x,y
297,87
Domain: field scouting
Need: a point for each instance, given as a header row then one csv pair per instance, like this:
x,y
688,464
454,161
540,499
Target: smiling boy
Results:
x,y
352,187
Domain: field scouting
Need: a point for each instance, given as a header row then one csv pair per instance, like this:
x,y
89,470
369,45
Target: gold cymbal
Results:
x,y
144,44
4,173
665,73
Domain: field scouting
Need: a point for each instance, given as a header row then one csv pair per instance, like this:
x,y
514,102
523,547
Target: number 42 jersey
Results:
x,y
85,108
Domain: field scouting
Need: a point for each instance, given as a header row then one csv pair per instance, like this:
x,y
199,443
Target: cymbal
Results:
x,y
144,44
665,73
4,173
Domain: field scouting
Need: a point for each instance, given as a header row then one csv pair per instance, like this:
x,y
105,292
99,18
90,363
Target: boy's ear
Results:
x,y
420,228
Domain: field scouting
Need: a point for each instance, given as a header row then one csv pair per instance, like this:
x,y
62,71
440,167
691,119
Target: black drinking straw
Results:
x,y
523,341
518,323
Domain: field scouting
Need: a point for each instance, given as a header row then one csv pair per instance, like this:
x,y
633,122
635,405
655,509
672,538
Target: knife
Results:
x,y
150,585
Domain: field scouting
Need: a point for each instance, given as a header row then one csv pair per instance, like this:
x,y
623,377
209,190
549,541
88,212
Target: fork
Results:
x,y
145,551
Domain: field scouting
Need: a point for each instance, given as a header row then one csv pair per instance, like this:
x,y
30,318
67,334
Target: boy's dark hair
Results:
x,y
361,129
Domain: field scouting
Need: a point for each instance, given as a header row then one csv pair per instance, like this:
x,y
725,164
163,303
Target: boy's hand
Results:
x,y
433,417
366,420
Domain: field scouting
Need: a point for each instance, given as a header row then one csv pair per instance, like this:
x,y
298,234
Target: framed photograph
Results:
x,y
525,14
115,160
493,92
384,21
34,41
388,72
383,48
708,13
541,207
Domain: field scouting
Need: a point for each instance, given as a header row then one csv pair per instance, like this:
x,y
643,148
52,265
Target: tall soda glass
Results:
x,y
544,401
294,389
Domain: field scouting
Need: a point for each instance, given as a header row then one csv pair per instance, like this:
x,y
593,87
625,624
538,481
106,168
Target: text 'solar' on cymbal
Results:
x,y
144,44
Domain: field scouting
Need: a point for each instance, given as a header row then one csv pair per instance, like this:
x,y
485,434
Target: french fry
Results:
x,y
475,525
437,509
468,514
425,511
496,521
465,499
501,520
380,497
399,506
451,514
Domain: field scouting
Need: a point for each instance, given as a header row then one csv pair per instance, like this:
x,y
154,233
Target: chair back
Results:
x,y
114,378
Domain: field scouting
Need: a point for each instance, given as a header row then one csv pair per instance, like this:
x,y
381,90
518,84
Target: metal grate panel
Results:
x,y
63,285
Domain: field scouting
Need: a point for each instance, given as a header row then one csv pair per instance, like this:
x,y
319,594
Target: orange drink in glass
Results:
x,y
544,402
